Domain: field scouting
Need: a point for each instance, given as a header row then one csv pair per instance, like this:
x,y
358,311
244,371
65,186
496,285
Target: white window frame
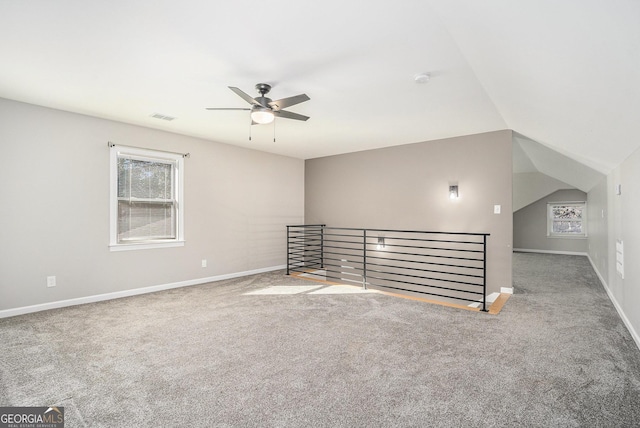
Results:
x,y
177,160
550,220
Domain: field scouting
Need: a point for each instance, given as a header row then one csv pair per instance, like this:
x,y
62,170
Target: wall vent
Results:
x,y
162,117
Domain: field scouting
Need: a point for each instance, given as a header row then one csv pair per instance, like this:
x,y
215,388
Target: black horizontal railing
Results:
x,y
451,265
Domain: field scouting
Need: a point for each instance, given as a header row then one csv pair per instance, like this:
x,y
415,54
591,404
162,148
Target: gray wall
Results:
x,y
406,187
55,208
618,220
598,215
530,225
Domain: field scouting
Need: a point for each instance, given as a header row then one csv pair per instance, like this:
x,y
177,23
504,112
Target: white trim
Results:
x,y
127,293
506,290
623,316
551,219
567,253
145,246
175,159
556,236
490,299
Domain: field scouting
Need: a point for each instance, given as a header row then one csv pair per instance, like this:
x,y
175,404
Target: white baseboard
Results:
x,y
506,290
127,293
566,253
490,299
627,323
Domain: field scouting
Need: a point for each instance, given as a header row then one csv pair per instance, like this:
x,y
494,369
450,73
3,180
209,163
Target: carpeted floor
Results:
x,y
212,355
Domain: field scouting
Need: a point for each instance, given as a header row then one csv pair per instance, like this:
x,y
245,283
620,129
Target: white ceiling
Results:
x,y
565,74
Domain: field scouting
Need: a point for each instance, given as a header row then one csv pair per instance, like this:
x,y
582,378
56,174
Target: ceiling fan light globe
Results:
x,y
262,117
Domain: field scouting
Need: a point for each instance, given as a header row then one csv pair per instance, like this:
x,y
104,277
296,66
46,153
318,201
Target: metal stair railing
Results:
x,y
449,265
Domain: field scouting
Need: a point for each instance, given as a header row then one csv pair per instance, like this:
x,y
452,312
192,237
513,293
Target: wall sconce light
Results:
x,y
453,191
381,243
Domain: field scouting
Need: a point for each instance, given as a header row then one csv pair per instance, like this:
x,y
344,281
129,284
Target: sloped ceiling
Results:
x,y
539,171
529,187
562,73
531,156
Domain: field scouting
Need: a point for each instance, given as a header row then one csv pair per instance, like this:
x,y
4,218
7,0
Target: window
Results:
x,y
567,219
146,199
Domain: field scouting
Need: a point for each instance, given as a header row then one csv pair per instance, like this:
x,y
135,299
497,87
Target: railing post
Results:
x,y
322,245
364,259
288,249
484,274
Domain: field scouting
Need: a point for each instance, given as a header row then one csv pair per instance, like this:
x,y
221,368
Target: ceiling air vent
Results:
x,y
162,117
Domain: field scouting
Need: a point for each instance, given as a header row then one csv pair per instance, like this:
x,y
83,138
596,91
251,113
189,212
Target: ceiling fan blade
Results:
x,y
244,95
289,115
288,102
214,108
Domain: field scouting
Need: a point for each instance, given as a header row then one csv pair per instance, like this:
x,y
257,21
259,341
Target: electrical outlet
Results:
x,y
496,209
204,263
51,281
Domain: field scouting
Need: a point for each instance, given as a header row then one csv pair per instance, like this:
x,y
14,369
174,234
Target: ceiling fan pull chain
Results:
x,y
249,131
274,130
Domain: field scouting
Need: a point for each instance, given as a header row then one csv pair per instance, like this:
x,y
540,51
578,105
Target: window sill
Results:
x,y
145,245
567,236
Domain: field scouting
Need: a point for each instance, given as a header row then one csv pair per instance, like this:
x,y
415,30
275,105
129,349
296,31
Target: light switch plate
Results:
x,y
496,209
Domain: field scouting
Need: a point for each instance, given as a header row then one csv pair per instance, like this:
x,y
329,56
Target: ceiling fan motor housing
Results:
x,y
263,88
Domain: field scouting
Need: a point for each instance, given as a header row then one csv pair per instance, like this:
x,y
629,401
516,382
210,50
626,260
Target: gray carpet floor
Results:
x,y
211,355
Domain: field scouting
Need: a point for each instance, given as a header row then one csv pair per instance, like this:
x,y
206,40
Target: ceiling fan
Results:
x,y
263,109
